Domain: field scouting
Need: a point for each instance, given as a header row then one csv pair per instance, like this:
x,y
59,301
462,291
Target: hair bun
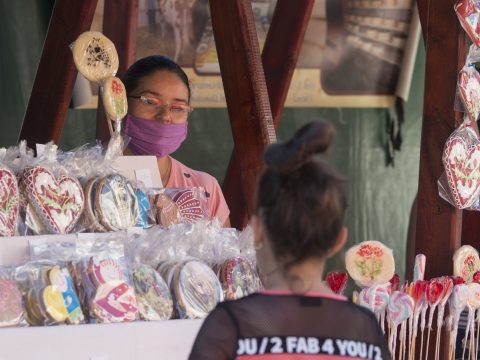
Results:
x,y
311,139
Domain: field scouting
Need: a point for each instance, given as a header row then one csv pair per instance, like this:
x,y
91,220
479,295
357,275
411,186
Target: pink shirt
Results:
x,y
182,176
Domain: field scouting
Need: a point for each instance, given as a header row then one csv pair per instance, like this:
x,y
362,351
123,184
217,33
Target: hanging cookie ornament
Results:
x,y
468,13
370,263
469,90
114,97
95,56
461,160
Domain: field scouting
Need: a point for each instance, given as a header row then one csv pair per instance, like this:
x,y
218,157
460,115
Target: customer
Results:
x,y
159,95
300,208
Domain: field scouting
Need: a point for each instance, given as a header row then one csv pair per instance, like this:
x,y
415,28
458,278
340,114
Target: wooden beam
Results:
x,y
245,88
52,89
439,224
120,26
279,58
423,6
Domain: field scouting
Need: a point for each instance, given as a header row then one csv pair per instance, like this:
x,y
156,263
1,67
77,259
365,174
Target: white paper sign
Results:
x,y
144,176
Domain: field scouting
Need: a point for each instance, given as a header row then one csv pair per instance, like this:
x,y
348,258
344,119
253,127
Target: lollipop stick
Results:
x,y
428,343
421,344
404,336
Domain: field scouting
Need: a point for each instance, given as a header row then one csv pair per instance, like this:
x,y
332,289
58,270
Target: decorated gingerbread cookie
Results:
x,y
469,90
95,56
468,13
11,310
238,278
115,302
370,263
197,290
62,281
51,300
9,202
116,205
167,211
102,271
114,97
460,158
90,219
153,294
466,262
58,202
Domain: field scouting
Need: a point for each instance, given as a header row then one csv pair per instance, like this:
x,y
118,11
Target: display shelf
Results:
x,y
170,340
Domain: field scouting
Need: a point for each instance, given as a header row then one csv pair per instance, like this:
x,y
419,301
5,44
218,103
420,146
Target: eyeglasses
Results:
x,y
178,112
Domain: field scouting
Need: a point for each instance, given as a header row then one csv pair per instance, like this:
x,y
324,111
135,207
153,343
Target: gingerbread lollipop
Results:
x,y
370,263
466,262
337,281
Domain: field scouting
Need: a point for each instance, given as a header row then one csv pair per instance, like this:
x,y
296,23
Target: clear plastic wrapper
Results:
x,y
11,303
468,12
460,183
178,205
54,196
49,294
469,91
239,278
9,198
102,273
95,56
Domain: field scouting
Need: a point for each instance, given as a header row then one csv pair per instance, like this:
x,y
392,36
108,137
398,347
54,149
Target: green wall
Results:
x,y
380,197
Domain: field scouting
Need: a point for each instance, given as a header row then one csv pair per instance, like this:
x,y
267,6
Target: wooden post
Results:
x,y
279,57
439,224
53,85
245,88
119,25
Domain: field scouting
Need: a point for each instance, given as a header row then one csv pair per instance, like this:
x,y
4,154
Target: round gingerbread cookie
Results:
x,y
51,300
239,278
197,290
168,212
115,302
11,310
95,56
466,262
33,314
153,294
116,203
91,221
114,97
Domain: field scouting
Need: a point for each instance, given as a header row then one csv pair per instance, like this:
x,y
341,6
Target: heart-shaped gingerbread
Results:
x,y
58,202
461,159
9,203
337,281
469,89
468,13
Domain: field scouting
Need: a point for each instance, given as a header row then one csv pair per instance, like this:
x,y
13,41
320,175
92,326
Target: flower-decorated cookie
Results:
x,y
466,262
95,56
370,263
58,202
9,202
461,160
153,295
114,97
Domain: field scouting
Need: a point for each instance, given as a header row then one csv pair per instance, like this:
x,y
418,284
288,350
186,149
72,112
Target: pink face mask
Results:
x,y
150,137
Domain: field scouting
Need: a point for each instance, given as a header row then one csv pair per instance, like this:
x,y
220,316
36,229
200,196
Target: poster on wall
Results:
x,y
356,53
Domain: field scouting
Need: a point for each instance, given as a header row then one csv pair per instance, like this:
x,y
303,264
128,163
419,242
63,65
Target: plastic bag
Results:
x,y
468,12
460,184
55,197
9,198
469,91
11,304
103,275
178,205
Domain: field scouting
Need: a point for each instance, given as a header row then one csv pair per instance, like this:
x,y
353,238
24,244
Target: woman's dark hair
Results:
x,y
149,65
300,199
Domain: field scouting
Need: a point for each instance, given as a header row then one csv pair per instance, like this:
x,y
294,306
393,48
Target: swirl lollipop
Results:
x,y
399,309
473,303
376,298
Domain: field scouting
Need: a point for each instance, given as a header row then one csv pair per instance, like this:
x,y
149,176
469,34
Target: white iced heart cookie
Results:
x,y
370,263
114,97
58,202
95,56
